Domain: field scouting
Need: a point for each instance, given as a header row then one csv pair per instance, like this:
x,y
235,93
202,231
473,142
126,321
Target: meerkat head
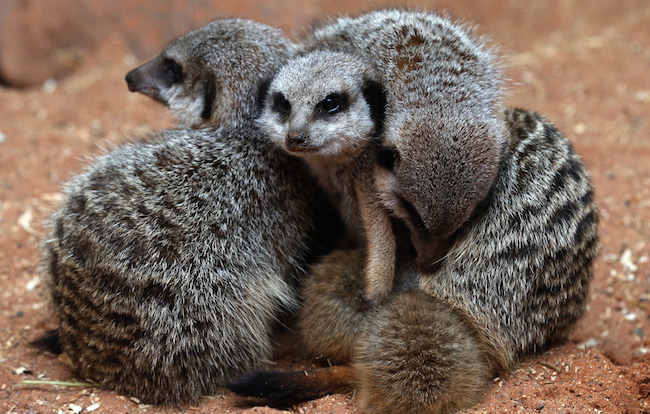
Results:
x,y
211,75
324,104
460,152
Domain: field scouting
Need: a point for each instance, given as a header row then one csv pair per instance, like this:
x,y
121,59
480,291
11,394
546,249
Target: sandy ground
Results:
x,y
583,64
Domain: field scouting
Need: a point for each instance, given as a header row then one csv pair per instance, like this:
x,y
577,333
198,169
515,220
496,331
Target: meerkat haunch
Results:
x,y
515,279
203,75
172,257
442,136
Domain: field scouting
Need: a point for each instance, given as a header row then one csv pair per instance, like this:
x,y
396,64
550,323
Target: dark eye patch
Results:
x,y
281,105
172,72
209,96
332,104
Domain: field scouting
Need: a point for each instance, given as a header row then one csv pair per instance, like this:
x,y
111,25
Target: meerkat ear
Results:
x,y
262,92
375,95
209,95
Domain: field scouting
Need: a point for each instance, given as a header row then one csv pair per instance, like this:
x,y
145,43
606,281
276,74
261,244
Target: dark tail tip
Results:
x,y
277,388
49,342
283,389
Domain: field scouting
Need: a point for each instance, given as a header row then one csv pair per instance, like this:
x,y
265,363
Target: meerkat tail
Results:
x,y
289,387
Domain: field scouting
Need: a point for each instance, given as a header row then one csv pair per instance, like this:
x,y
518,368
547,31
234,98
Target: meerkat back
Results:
x,y
173,257
522,265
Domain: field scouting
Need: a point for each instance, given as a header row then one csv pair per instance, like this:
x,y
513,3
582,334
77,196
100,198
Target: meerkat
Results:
x,y
173,257
442,135
515,280
202,75
327,108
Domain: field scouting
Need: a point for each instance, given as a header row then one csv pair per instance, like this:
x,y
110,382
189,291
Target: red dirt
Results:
x,y
583,64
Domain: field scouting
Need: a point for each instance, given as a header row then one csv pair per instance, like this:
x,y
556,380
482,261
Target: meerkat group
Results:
x,y
472,226
499,209
442,129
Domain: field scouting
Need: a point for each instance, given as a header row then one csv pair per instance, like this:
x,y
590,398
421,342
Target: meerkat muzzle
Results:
x,y
297,142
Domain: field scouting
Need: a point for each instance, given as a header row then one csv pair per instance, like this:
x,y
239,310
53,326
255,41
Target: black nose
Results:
x,y
130,81
296,141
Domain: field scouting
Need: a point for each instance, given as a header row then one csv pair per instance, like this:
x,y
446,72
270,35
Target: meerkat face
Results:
x,y
324,104
211,74
179,80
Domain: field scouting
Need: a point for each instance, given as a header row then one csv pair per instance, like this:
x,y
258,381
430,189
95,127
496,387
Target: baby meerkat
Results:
x,y
203,75
443,136
327,108
515,280
173,257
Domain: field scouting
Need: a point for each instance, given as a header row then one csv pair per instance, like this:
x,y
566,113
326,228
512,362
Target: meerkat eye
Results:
x,y
281,105
332,104
172,71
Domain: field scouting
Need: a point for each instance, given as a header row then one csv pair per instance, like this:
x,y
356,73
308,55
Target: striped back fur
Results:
x,y
521,267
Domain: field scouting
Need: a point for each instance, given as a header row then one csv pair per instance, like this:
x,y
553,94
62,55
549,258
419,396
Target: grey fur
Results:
x,y
173,257
515,280
204,75
442,119
523,263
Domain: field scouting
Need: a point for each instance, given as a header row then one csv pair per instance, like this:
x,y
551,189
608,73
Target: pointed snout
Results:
x,y
131,81
146,80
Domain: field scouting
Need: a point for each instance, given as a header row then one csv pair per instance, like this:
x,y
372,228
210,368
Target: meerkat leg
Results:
x,y
381,248
431,248
334,309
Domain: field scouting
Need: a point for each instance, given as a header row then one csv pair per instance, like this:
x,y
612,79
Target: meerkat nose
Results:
x,y
296,141
130,82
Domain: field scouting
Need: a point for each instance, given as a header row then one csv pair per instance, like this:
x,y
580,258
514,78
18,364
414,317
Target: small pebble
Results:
x,y
32,283
76,409
22,371
590,343
3,138
580,128
638,332
50,85
93,407
540,407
